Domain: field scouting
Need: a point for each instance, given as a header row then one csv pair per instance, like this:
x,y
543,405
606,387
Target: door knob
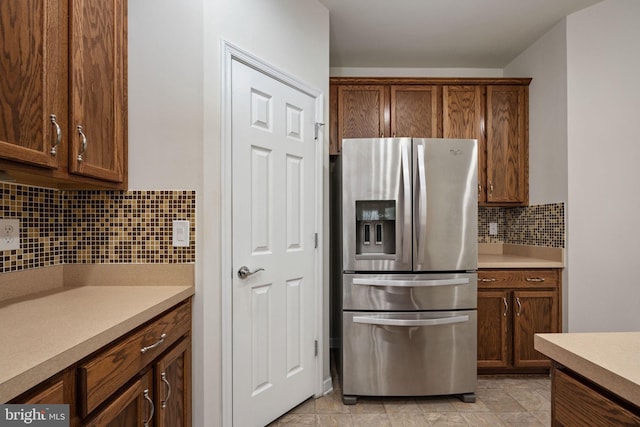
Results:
x,y
244,272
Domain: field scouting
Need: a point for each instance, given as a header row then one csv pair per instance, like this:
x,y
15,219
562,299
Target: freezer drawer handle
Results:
x,y
410,322
411,283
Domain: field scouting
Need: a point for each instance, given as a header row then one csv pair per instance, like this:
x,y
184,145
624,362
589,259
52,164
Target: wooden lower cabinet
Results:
x,y
132,407
578,402
142,379
172,374
513,305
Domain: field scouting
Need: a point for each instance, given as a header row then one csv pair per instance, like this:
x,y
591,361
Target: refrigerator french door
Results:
x,y
409,220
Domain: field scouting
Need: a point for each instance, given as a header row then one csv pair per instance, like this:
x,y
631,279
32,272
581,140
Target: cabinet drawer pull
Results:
x,y
83,148
157,343
519,306
152,408
535,279
54,122
163,377
506,306
490,279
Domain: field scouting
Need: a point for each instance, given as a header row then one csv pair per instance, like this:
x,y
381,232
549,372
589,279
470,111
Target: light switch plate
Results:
x,y
180,233
9,234
493,228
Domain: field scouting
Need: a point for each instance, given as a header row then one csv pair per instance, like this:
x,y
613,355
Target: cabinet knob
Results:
x,y
506,306
490,188
83,147
519,306
54,122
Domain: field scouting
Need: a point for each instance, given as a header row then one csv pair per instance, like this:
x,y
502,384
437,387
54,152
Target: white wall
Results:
x,y
165,94
546,62
174,126
603,59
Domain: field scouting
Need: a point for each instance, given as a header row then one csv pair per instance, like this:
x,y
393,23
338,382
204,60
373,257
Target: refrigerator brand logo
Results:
x,y
37,415
455,152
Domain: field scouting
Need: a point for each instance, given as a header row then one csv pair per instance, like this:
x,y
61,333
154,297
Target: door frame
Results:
x,y
232,53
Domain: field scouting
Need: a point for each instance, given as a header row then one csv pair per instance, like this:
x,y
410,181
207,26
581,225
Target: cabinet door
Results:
x,y
507,150
493,319
98,89
463,116
173,386
132,407
534,312
416,111
361,111
33,86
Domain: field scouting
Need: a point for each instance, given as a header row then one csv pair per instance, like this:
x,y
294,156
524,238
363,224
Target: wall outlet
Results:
x,y
9,234
493,228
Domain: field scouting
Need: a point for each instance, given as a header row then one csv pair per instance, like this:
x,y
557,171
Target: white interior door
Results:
x,y
274,219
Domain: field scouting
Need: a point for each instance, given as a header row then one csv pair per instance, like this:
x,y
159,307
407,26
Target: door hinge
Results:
x,y
315,348
316,240
317,129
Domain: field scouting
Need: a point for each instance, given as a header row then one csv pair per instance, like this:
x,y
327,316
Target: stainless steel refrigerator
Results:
x,y
409,259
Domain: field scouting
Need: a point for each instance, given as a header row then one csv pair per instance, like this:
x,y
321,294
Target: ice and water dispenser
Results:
x,y
375,227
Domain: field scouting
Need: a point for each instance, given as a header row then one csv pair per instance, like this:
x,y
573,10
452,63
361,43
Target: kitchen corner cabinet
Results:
x,y
493,111
63,115
143,376
513,305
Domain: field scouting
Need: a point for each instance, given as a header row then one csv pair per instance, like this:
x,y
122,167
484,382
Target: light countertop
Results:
x,y
609,359
44,333
498,255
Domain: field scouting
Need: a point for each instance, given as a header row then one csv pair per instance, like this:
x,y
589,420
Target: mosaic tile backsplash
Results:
x,y
539,225
60,227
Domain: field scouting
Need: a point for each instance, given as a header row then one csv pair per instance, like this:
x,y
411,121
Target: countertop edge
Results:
x,y
611,381
29,378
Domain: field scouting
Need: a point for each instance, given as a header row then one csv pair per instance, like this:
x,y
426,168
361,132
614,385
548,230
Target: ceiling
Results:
x,y
439,33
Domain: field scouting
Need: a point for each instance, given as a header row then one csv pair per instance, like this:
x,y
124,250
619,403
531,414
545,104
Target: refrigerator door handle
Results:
x,y
422,205
406,219
410,283
373,320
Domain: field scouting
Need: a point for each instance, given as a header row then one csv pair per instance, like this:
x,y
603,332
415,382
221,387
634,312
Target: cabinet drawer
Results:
x,y
518,278
110,369
575,403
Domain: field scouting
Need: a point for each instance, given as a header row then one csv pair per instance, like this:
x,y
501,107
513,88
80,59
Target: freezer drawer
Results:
x,y
409,292
409,354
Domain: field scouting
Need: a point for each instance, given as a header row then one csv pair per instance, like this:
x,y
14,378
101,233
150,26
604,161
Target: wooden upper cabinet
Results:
x,y
361,112
416,111
33,87
463,116
98,89
507,145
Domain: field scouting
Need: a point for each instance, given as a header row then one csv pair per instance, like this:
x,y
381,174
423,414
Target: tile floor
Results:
x,y
500,401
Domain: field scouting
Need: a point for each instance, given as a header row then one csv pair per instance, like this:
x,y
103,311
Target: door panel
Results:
x,y
405,292
421,353
274,216
494,314
535,312
376,204
33,85
416,111
98,89
445,208
463,116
